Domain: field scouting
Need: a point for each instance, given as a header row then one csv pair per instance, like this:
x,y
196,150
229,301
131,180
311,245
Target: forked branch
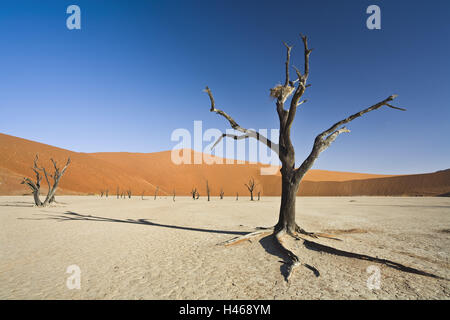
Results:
x,y
247,133
324,139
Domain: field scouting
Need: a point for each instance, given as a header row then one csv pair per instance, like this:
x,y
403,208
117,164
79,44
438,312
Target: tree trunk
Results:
x,y
37,200
286,219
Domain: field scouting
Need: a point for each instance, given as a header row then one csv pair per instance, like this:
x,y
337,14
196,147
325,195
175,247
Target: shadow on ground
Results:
x,y
73,216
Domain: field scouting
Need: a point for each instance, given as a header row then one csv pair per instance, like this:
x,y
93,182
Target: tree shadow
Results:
x,y
19,204
311,245
273,247
73,216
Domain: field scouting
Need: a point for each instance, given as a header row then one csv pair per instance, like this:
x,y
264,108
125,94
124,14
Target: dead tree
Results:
x,y
156,192
207,189
106,193
142,197
195,194
237,196
251,186
259,195
36,186
221,193
173,195
290,175
117,192
101,193
129,194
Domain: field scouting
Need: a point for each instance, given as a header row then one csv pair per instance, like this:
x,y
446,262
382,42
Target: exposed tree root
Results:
x,y
315,235
246,237
294,260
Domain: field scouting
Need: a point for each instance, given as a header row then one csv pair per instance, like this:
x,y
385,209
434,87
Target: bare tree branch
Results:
x,y
235,126
324,139
301,85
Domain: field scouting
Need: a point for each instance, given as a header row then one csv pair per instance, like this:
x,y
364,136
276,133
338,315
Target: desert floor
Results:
x,y
160,249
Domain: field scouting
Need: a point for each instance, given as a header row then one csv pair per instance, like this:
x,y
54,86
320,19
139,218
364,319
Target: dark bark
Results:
x,y
207,189
286,218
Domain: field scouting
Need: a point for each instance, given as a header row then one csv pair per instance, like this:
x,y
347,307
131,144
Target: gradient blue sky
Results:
x,y
136,70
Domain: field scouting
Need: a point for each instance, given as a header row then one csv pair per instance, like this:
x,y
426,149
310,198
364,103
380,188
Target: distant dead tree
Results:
x,y
195,194
129,194
36,186
237,196
173,195
251,186
107,193
259,195
101,193
207,189
117,192
290,175
221,193
142,197
156,192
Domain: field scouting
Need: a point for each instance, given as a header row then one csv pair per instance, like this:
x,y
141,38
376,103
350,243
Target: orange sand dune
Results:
x,y
140,172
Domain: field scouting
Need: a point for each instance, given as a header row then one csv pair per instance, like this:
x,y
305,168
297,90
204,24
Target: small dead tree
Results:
x,y
36,186
173,195
117,192
106,193
221,193
156,192
237,196
259,195
207,189
195,194
290,175
251,186
101,193
129,194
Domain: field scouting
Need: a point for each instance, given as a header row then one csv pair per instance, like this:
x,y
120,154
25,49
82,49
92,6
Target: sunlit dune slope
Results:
x,y
89,173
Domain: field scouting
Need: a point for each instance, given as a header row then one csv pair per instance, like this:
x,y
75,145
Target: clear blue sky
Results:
x,y
136,70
